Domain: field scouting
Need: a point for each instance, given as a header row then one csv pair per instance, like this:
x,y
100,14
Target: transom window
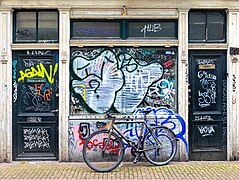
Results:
x,y
207,26
95,29
163,29
124,29
35,26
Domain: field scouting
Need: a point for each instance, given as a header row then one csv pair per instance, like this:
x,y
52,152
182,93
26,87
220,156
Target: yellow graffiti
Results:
x,y
84,90
39,71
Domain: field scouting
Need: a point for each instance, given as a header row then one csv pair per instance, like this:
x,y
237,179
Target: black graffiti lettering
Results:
x,y
26,33
100,124
84,129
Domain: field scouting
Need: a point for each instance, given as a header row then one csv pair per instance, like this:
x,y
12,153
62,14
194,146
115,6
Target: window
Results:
x,y
162,29
207,26
137,29
95,29
35,26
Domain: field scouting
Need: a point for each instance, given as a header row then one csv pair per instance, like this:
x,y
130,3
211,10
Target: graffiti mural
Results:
x,y
122,79
79,130
40,75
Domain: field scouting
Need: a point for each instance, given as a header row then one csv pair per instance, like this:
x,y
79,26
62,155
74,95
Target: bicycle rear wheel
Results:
x,y
96,158
163,153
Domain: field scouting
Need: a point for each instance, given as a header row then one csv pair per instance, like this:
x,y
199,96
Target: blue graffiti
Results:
x,y
95,31
161,116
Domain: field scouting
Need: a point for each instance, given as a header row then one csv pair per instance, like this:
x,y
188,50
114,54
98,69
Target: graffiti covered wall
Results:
x,y
122,79
79,130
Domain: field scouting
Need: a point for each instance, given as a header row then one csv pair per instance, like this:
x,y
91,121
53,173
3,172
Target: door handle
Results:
x,y
55,110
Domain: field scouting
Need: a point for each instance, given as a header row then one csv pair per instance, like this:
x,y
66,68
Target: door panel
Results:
x,y
35,96
208,105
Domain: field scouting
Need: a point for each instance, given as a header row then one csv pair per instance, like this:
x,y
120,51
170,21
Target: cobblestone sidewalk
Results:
x,y
173,171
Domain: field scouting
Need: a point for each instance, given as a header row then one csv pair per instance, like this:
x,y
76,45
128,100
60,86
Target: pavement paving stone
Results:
x,y
201,170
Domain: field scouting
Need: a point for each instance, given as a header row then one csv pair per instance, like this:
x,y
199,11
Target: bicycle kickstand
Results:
x,y
136,158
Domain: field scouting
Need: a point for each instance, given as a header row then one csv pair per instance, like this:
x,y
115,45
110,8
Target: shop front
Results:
x,y
64,65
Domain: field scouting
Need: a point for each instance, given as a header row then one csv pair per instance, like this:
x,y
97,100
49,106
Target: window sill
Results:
x,y
207,46
21,46
114,42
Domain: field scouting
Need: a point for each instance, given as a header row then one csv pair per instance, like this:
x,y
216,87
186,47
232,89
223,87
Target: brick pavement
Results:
x,y
173,171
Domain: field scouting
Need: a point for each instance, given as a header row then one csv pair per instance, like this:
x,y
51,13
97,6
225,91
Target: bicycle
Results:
x,y
104,150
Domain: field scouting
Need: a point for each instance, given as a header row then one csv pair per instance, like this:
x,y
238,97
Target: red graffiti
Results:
x,y
81,138
94,143
168,63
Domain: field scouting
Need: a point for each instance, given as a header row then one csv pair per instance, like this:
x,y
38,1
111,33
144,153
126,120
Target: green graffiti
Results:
x,y
39,71
14,64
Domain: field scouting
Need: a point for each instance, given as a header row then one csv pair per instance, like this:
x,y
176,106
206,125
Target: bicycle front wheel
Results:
x,y
160,145
99,157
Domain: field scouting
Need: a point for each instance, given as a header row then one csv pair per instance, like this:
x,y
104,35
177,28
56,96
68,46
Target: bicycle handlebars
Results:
x,y
111,117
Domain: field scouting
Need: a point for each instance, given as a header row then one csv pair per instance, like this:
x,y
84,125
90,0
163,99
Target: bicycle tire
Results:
x,y
101,161
164,154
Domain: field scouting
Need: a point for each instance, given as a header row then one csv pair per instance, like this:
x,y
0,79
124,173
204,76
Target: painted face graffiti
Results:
x,y
99,80
104,79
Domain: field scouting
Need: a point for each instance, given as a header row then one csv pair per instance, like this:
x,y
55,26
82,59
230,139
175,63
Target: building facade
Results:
x,y
64,64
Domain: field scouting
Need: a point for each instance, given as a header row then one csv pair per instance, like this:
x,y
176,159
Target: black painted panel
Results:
x,y
207,136
35,95
38,138
208,105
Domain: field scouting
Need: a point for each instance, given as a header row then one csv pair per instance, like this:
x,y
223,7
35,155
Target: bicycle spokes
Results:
x,y
102,153
159,145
